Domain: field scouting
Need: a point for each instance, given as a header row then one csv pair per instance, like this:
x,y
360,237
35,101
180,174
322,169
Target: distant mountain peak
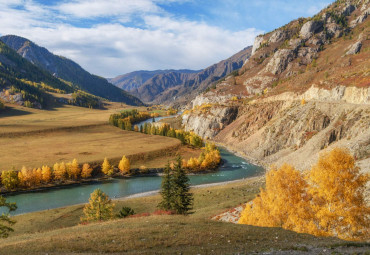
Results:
x,y
68,70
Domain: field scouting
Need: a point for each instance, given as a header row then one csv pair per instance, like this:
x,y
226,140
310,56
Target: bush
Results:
x,y
125,211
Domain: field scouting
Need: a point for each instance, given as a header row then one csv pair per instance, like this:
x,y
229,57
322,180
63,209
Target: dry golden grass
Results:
x,y
33,138
56,231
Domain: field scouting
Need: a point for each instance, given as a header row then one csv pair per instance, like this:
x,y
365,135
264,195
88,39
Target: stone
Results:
x,y
359,20
257,43
334,30
309,28
354,48
279,61
277,36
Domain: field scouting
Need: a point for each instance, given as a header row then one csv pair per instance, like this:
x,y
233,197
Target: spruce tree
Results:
x,y
182,199
4,217
166,189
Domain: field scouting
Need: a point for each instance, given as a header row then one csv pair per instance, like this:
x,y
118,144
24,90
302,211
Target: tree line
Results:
x,y
327,200
126,120
60,172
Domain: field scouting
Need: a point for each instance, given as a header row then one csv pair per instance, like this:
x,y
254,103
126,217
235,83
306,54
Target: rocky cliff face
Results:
x,y
304,90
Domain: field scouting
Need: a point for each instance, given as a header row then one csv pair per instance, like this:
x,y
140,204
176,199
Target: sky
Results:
x,y
114,37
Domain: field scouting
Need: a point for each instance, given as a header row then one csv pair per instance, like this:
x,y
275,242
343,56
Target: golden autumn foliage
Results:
x,y
86,171
74,170
46,174
208,159
106,167
124,165
337,189
328,201
100,207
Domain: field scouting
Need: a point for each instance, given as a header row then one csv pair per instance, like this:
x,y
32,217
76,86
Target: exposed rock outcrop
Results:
x,y
354,48
279,61
208,124
310,28
257,43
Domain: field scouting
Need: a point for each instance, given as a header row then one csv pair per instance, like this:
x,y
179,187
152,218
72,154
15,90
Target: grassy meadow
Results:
x,y
34,137
58,231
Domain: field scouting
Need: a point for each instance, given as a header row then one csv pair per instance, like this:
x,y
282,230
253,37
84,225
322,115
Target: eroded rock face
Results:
x,y
354,48
277,36
280,61
358,20
257,43
209,98
209,124
334,30
310,28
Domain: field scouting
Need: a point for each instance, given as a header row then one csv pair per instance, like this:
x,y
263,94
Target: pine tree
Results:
x,y
5,221
182,199
100,207
106,167
124,165
166,189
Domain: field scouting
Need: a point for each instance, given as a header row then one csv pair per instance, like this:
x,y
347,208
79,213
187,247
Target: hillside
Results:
x,y
134,80
23,82
68,70
179,87
57,231
304,90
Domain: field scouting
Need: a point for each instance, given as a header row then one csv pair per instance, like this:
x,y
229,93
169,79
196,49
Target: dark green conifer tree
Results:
x,y
182,199
166,189
4,218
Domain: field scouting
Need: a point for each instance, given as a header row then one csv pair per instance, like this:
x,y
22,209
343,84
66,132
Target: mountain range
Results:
x,y
177,86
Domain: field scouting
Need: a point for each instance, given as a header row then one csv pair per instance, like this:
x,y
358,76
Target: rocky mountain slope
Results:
x,y
183,85
304,90
67,70
23,83
134,80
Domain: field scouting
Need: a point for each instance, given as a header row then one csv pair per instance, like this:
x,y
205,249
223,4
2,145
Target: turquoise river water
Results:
x,y
233,168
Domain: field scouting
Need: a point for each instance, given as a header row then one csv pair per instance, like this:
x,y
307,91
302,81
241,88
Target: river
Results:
x,y
233,168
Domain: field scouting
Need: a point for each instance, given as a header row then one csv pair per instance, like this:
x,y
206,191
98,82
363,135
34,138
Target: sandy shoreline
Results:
x,y
155,192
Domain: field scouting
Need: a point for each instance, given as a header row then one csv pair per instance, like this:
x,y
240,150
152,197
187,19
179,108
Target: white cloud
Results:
x,y
98,8
108,50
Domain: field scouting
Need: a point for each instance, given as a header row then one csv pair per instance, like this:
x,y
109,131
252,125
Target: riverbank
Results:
x,y
234,168
57,231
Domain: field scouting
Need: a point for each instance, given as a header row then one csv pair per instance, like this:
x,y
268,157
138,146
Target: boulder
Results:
x,y
279,61
359,20
277,36
257,43
354,48
309,28
307,54
334,30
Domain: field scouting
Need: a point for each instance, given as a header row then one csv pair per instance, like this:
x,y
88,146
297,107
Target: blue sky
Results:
x,y
112,37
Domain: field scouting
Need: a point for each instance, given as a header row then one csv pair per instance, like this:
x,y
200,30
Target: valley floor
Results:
x,y
33,138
